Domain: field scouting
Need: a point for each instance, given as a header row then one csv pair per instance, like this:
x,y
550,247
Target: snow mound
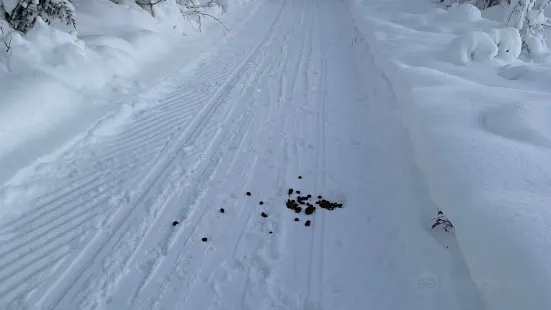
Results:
x,y
25,115
479,46
508,41
526,122
430,77
464,12
510,72
537,77
536,44
472,46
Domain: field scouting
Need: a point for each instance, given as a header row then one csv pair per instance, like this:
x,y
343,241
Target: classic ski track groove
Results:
x,y
58,208
107,240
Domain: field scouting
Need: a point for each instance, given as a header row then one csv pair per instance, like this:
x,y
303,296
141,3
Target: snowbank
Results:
x,y
480,126
56,82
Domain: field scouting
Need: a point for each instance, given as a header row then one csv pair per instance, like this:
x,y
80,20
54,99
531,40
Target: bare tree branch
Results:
x,y
7,43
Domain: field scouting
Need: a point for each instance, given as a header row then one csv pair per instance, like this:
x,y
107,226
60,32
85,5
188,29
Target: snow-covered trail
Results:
x,y
293,93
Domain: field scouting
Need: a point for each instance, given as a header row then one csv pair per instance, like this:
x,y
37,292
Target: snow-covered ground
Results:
x,y
291,92
480,125
395,108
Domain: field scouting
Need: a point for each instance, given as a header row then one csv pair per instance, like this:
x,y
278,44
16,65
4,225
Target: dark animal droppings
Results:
x,y
324,204
264,214
204,239
222,210
249,194
270,232
261,203
300,177
175,223
304,202
310,210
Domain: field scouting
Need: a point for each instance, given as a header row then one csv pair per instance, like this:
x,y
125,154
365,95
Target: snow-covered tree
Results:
x,y
484,4
525,15
529,19
194,10
481,4
149,5
22,14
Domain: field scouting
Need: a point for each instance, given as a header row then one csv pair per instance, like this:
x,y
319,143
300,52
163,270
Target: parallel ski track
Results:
x,y
184,270
179,274
38,240
321,177
104,244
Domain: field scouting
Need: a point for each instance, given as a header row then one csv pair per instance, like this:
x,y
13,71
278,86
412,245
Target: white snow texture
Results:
x,y
127,146
481,138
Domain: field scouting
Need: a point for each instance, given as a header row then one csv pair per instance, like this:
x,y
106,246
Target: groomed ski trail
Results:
x,y
291,94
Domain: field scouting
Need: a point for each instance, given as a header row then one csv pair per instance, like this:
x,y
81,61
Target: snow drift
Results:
x,y
50,77
480,132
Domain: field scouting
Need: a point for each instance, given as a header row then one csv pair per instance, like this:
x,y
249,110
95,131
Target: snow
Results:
x,y
107,54
481,135
464,12
525,122
537,45
479,46
509,43
473,46
398,109
289,91
9,5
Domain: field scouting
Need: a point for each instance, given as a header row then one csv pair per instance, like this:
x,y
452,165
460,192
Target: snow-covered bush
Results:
x,y
481,4
484,4
478,46
529,20
472,46
525,15
508,41
22,14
